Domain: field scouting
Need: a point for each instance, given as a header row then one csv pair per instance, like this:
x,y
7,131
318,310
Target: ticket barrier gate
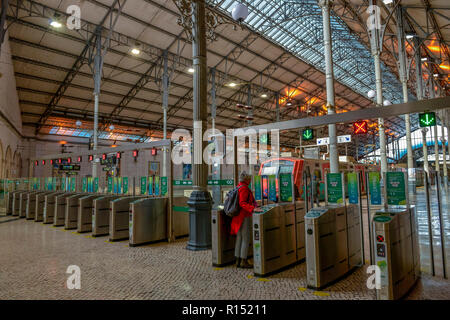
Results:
x,y
30,212
119,228
59,216
180,216
223,243
277,243
40,205
100,215
23,203
15,208
333,244
49,207
9,202
396,250
71,212
148,221
85,212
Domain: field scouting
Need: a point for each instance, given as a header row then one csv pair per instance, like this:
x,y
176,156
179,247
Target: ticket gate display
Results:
x,y
59,216
100,215
276,243
71,213
118,220
85,211
329,256
40,205
49,207
16,203
180,216
396,251
30,211
148,221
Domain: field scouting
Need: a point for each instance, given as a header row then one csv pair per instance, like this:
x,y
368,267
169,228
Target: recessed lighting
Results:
x,y
289,103
387,1
55,24
264,95
232,84
191,70
135,51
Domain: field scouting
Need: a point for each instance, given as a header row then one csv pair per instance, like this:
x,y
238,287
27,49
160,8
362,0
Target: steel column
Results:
x,y
404,80
333,151
165,105
200,201
98,66
426,166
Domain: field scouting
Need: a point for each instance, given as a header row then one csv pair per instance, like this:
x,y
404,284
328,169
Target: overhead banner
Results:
x,y
334,188
273,188
375,188
286,187
395,188
352,187
257,183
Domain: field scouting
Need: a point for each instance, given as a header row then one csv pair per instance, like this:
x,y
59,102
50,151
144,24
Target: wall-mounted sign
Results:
x,y
334,188
395,188
375,188
352,187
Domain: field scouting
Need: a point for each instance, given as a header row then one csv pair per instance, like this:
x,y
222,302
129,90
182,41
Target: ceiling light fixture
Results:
x,y
232,84
191,70
264,95
424,59
409,36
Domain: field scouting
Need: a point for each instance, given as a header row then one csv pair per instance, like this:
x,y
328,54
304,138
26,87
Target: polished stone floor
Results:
x,y
34,259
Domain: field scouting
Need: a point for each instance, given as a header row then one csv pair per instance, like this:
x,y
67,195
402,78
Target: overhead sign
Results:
x,y
340,139
323,141
307,134
360,127
427,119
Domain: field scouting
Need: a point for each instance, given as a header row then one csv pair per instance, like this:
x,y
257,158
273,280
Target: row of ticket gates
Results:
x,y
330,240
138,218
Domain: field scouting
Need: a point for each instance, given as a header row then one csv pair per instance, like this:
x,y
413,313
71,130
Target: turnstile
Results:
x,y
23,196
100,215
118,220
49,207
30,211
15,208
148,221
40,205
85,212
180,216
396,251
59,215
276,242
9,202
223,243
71,213
329,253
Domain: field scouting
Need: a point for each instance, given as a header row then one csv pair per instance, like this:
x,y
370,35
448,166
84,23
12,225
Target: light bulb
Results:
x,y
371,94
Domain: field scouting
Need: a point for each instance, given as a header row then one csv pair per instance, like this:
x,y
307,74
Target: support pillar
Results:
x,y
277,108
426,166
329,76
98,66
404,80
435,134
165,106
444,153
249,123
216,166
200,201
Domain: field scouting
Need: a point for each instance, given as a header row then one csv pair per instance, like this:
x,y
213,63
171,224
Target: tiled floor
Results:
x,y
34,259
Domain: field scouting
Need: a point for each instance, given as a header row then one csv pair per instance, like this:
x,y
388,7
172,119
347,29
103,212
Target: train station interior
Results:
x,y
130,130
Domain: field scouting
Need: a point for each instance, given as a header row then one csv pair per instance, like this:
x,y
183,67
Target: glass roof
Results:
x,y
86,133
303,37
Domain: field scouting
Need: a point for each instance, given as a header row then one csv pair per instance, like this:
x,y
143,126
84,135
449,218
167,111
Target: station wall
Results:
x,y
11,157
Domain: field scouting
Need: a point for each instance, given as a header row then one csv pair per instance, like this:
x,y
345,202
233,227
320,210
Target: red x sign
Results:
x,y
360,127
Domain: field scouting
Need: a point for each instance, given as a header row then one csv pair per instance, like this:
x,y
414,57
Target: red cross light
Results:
x,y
154,152
118,155
104,156
80,159
69,160
91,157
360,127
135,153
43,162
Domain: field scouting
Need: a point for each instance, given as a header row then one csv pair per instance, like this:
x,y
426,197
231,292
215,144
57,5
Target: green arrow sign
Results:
x,y
427,119
308,134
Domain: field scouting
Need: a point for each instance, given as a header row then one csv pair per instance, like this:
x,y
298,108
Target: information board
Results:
x,y
334,188
125,185
272,188
164,186
143,185
286,187
375,188
395,188
257,183
352,187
